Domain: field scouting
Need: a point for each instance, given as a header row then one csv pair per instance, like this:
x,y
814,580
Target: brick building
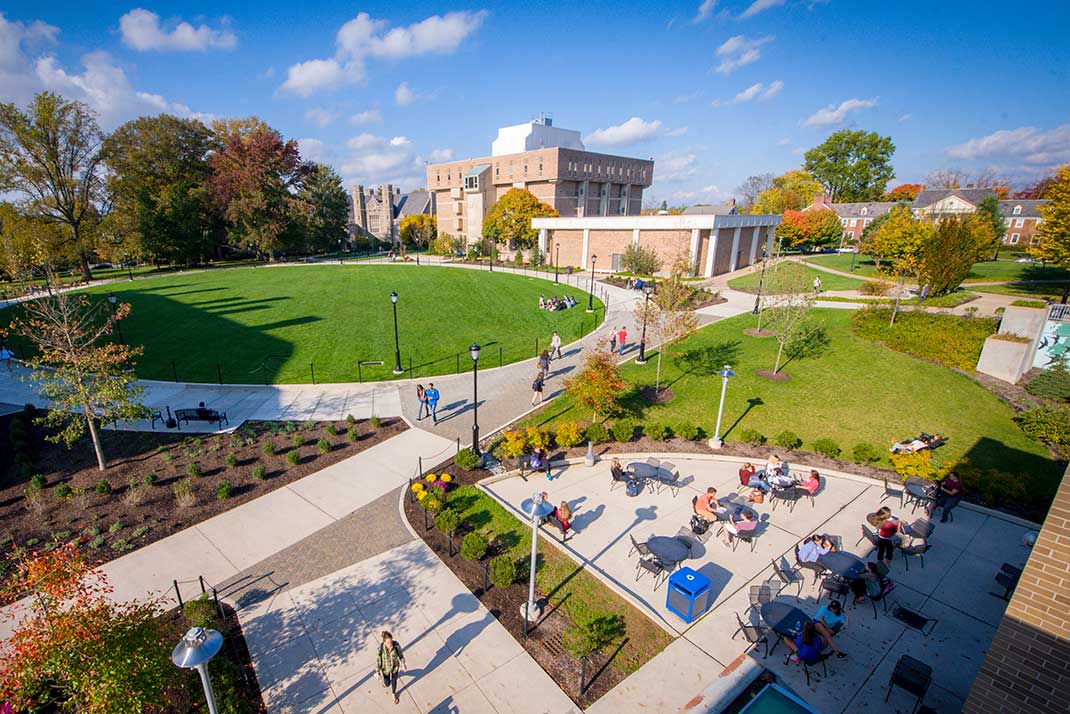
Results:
x,y
378,212
548,161
1027,667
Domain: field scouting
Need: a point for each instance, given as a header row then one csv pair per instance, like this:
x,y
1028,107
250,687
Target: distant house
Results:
x,y
854,217
707,209
1022,219
377,212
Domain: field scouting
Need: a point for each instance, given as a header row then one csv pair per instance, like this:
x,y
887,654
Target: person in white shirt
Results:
x,y
555,345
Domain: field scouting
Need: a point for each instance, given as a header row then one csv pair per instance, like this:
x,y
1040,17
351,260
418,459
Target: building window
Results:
x,y
525,169
864,210
1017,210
459,224
471,182
851,235
540,167
1019,222
1014,238
867,221
495,172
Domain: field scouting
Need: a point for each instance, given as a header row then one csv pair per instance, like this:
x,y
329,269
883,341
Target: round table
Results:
x,y
847,565
669,549
919,489
784,618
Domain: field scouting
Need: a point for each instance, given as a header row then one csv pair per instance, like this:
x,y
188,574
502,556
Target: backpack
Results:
x,y
699,525
536,386
633,488
756,496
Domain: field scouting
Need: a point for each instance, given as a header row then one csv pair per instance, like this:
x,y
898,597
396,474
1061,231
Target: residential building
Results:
x,y
377,212
551,163
712,243
1022,217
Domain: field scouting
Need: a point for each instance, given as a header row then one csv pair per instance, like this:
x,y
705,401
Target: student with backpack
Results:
x,y
536,388
390,663
431,395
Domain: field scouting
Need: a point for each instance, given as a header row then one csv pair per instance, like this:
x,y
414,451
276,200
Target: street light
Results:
x,y
474,351
112,300
397,347
715,442
761,280
853,254
535,508
647,289
557,261
194,651
590,298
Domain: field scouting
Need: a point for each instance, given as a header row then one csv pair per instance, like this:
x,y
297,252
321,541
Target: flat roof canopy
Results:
x,y
656,223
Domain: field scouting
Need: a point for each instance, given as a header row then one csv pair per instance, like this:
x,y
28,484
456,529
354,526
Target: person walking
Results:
x,y
622,338
422,399
555,345
5,356
544,362
431,396
817,284
613,339
390,663
536,388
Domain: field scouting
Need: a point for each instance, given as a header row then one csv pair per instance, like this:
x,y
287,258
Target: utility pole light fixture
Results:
x,y
557,262
397,345
536,508
474,351
194,651
113,303
647,289
715,442
590,298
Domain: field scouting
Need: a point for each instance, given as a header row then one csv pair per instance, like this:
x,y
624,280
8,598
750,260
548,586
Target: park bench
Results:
x,y
209,415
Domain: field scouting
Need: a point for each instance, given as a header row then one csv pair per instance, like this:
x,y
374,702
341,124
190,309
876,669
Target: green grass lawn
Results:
x,y
953,299
851,391
581,594
1003,269
829,281
287,318
1053,291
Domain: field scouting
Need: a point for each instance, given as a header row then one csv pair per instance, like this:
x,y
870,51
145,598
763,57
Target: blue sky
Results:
x,y
713,91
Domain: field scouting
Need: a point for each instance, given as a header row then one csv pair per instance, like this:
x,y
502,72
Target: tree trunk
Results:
x,y
780,351
895,309
96,443
83,261
657,379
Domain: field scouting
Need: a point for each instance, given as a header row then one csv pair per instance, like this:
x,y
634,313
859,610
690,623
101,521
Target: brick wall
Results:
x,y
1027,668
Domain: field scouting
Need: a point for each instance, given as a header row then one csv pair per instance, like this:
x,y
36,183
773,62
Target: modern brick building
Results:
x,y
712,243
551,163
1027,667
377,212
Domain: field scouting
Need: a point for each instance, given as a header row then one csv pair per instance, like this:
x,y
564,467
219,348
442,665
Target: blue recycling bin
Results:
x,y
688,594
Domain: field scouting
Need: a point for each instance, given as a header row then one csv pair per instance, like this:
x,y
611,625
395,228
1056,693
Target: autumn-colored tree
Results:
x,y
1038,190
989,213
78,649
957,242
253,179
962,178
904,192
85,377
50,158
598,385
791,299
791,191
418,230
1053,234
899,237
792,228
667,316
509,220
29,244
810,229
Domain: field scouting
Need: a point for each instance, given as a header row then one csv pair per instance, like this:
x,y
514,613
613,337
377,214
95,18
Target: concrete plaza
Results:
x,y
952,586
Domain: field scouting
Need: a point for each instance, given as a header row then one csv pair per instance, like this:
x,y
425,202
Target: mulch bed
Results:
x,y
169,455
543,642
773,376
755,332
657,396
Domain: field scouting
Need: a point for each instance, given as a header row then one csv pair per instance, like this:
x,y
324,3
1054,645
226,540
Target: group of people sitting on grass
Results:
x,y
556,303
776,474
737,521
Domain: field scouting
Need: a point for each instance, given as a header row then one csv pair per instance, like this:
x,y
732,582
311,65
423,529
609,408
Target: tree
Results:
x,y
988,211
751,188
324,207
956,242
792,297
641,260
852,165
1053,234
30,244
810,229
792,191
598,385
157,178
79,648
1039,190
509,221
50,157
84,377
419,229
897,237
792,228
904,192
253,177
667,316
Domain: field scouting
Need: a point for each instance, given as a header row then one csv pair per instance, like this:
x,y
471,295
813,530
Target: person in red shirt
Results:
x,y
887,537
706,505
622,338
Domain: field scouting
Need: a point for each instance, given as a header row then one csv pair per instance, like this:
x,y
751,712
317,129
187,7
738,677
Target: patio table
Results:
x,y
919,490
920,528
669,549
784,618
651,473
847,565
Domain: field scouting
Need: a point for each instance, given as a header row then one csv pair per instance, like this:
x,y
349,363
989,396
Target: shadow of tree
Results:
x,y
705,361
813,343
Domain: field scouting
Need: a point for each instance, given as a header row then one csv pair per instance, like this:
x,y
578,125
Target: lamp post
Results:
x,y
641,359
474,351
397,346
557,261
590,297
535,508
112,301
194,651
715,442
853,254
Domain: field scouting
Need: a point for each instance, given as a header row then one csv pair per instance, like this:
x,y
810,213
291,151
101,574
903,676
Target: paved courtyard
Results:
x,y
952,586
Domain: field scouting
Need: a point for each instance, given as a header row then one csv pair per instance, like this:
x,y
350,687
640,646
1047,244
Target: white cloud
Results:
x,y
1025,144
712,188
405,95
833,114
369,116
760,6
439,155
141,30
704,11
364,38
677,132
313,150
320,117
17,79
757,91
784,142
685,98
738,51
773,89
675,168
905,117
633,131
749,93
268,73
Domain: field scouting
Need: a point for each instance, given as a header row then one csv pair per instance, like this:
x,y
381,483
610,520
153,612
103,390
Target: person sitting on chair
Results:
x,y
806,646
829,620
617,471
811,483
871,584
745,473
561,517
813,547
202,411
744,526
706,506
756,479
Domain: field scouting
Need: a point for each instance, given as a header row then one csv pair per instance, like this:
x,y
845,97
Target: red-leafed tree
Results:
x,y
1038,190
792,227
254,179
810,229
598,385
904,192
79,650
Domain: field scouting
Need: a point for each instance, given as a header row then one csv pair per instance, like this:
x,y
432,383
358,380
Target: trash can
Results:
x,y
688,594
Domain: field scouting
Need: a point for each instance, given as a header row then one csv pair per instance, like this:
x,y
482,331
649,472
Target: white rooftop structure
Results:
x,y
538,133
